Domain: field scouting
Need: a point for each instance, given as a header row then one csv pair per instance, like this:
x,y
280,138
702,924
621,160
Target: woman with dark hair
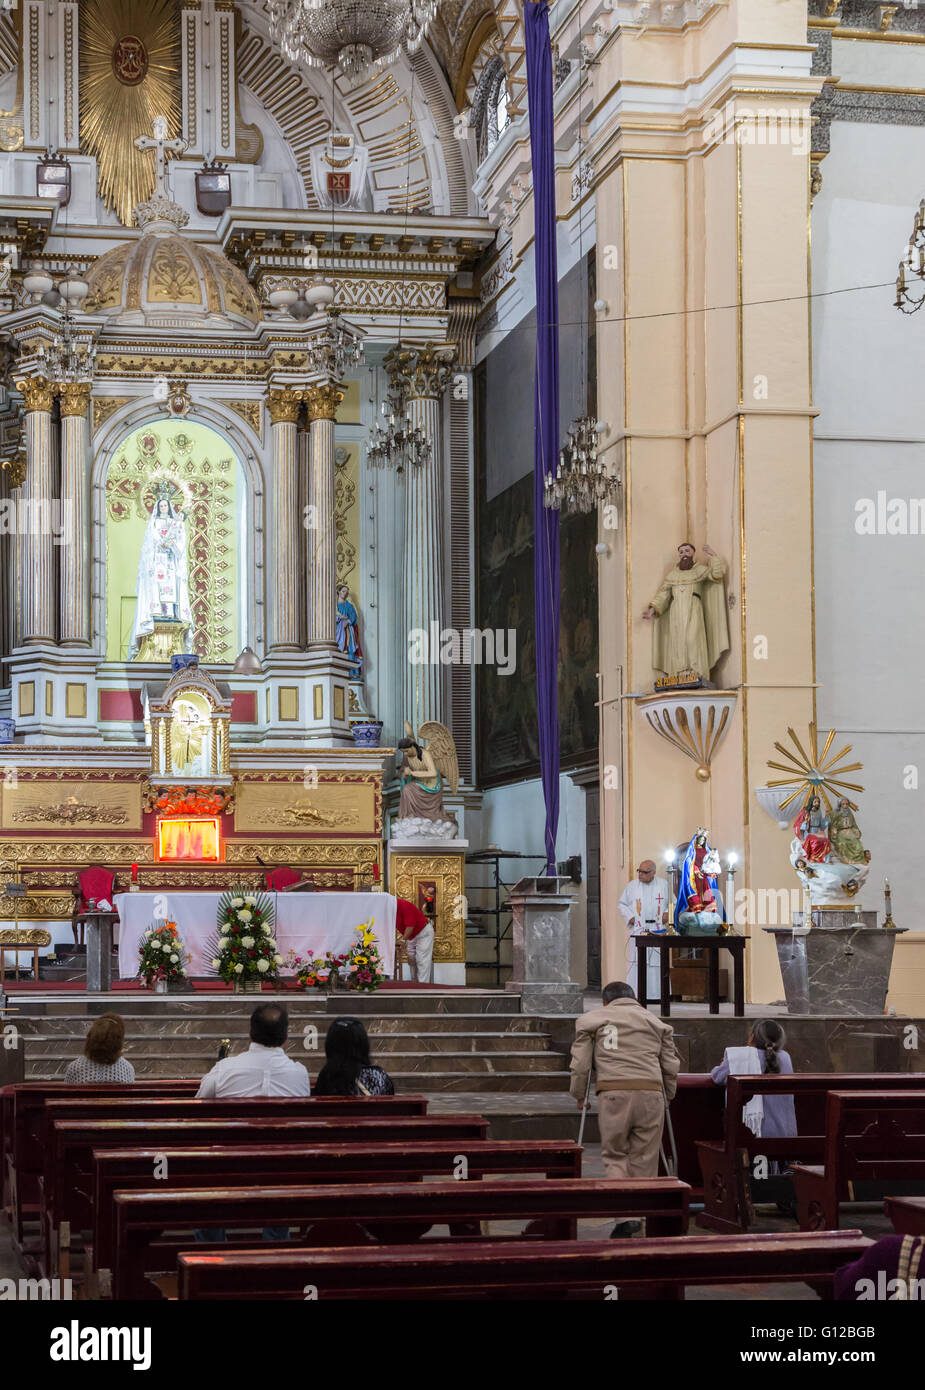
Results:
x,y
772,1117
348,1070
102,1059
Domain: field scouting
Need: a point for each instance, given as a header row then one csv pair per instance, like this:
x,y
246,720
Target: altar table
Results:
x,y
307,923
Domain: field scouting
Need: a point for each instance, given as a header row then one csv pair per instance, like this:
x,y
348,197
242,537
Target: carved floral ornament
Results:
x,y
419,373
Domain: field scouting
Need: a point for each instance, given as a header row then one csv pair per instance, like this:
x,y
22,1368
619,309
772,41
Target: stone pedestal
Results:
x,y
418,868
542,938
839,967
99,927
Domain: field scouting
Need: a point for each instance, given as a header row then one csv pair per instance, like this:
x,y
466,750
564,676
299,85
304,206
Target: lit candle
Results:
x,y
731,860
887,903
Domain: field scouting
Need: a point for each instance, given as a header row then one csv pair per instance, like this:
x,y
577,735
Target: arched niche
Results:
x,y
199,572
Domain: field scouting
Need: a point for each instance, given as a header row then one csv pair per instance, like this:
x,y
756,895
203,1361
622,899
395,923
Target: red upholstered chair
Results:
x,y
93,882
278,879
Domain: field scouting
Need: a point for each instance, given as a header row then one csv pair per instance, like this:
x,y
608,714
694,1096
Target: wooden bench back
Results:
x,y
346,1214
291,1165
521,1268
809,1090
875,1135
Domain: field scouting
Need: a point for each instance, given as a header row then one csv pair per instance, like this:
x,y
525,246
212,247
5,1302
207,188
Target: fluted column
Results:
x,y
320,536
75,516
421,375
283,552
39,549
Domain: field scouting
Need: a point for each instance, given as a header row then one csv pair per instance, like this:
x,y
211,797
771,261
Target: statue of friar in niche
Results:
x,y
691,629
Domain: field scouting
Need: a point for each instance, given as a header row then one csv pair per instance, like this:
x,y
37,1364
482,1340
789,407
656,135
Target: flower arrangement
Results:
x,y
365,970
244,947
316,974
161,955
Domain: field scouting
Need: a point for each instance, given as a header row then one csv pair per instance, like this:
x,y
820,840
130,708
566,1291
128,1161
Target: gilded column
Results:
x,y
421,374
320,537
283,557
39,548
75,516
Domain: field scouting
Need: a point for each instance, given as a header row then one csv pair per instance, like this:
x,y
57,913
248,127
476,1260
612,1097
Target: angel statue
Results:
x,y
427,765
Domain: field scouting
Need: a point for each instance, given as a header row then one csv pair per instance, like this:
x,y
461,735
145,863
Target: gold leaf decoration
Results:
x,y
130,64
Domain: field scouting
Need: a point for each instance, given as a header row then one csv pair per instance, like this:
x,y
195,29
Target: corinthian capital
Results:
x,y
322,401
75,398
38,392
420,372
283,404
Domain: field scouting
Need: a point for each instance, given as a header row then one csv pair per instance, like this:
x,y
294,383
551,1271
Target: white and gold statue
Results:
x,y
691,629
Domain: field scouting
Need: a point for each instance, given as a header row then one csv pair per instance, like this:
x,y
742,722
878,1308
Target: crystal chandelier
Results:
x,y
66,359
397,443
912,262
349,34
582,480
335,349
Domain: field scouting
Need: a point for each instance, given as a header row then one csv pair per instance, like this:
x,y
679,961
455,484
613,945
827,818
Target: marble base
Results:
x,y
550,997
838,967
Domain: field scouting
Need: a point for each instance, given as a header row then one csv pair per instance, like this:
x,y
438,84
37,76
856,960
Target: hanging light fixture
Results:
x,y
352,35
582,481
335,349
913,263
67,359
396,442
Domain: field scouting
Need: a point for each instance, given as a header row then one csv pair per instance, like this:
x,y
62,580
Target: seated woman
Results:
x,y
102,1059
348,1070
772,1117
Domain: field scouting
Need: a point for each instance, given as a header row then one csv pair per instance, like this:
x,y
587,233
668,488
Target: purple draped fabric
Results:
x,y
546,408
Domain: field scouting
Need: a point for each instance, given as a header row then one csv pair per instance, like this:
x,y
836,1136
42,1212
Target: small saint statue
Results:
x,y
812,830
348,631
845,836
163,574
827,853
691,630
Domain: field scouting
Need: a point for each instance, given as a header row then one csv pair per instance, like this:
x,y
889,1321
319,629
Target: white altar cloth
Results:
x,y
307,923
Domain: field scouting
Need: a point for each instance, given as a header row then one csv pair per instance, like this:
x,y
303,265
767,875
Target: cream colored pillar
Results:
x,y
75,516
422,374
283,547
38,542
704,379
320,532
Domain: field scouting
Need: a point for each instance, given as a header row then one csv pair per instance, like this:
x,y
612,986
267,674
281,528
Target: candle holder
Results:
x,y
670,860
888,923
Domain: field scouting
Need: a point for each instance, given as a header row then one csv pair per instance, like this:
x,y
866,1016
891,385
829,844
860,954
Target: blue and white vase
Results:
x,y
7,730
366,732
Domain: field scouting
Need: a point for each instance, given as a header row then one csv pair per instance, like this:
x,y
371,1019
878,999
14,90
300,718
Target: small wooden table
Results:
x,y
663,942
18,939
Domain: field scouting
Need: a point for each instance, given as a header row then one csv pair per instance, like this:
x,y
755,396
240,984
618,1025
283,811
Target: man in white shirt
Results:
x,y
264,1069
644,906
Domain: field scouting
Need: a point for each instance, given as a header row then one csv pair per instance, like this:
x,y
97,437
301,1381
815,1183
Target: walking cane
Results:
x,y
670,1168
584,1107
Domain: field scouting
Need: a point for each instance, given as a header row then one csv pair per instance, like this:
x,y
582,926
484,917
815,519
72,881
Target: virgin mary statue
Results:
x,y
163,574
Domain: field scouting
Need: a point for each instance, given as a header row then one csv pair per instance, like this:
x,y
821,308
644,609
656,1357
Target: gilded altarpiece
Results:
x,y
411,873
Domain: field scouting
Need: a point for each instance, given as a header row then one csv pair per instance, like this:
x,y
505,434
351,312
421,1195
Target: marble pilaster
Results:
x,y
283,553
321,541
38,549
841,967
75,499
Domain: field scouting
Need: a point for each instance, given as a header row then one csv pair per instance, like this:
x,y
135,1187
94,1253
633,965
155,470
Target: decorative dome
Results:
x,y
163,280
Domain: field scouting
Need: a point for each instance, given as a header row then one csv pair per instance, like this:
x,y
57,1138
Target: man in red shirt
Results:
x,y
418,931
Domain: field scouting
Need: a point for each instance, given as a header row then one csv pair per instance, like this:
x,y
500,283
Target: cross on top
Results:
x,y
160,144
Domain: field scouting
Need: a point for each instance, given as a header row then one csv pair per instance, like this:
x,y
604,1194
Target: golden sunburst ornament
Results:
x,y
130,64
821,774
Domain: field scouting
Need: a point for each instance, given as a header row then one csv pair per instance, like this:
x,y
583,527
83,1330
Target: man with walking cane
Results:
x,y
636,1066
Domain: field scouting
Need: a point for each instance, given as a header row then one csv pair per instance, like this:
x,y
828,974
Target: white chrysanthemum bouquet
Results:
x,y
244,947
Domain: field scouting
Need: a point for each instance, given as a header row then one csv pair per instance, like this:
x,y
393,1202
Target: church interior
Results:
x,y
455,459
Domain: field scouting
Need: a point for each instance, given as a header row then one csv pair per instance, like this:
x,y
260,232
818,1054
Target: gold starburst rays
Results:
x,y
130,64
820,774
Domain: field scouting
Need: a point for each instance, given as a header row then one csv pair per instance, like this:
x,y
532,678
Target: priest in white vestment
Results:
x,y
644,906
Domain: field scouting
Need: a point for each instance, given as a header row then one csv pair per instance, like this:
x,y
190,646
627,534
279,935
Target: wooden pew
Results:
x,y
21,1147
290,1166
726,1166
67,1179
353,1215
696,1113
521,1269
870,1137
907,1215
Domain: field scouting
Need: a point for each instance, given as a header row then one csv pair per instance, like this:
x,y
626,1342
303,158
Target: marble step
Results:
x,y
220,1023
206,1043
388,1003
406,1082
